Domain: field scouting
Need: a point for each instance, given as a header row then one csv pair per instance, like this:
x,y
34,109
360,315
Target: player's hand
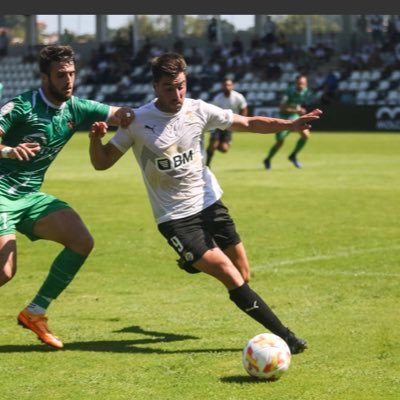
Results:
x,y
98,130
302,111
24,151
303,122
125,116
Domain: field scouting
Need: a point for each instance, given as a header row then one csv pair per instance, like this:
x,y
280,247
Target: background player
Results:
x,y
228,99
292,106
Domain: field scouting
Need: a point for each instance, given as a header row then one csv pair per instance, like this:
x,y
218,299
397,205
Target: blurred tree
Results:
x,y
67,37
160,26
194,26
296,24
11,21
227,28
154,25
15,25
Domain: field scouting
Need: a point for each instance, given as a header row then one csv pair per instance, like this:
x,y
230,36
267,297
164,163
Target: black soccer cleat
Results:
x,y
296,345
267,163
292,158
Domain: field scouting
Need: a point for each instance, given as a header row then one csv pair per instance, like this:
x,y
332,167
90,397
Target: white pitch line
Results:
x,y
356,274
331,257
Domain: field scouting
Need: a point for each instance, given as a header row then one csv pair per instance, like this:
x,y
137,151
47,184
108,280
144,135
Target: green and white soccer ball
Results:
x,y
266,356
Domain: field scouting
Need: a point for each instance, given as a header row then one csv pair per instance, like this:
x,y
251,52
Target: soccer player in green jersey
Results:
x,y
292,106
34,127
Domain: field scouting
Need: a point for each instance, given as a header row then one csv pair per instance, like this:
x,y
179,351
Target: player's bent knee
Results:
x,y
82,245
88,245
6,274
187,266
305,134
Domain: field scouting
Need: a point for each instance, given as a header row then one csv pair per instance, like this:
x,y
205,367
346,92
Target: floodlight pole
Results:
x,y
309,36
101,29
135,34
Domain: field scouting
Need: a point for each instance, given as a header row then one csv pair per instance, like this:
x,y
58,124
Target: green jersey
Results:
x,y
30,117
294,98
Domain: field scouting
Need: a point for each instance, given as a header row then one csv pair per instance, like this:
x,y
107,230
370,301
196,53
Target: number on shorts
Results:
x,y
177,244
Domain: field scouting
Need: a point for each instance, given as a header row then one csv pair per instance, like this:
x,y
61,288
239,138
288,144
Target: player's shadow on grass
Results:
x,y
121,346
243,379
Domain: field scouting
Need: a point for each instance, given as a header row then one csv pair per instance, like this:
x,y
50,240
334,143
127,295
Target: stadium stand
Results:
x,y
368,74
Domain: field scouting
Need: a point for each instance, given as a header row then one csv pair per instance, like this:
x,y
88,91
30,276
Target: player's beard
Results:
x,y
57,94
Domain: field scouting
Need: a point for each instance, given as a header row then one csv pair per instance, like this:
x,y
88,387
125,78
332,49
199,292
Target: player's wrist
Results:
x,y
5,152
96,136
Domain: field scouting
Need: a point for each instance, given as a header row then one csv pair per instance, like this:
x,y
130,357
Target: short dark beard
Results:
x,y
55,93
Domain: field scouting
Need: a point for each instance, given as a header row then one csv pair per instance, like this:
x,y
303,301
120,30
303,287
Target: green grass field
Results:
x,y
324,245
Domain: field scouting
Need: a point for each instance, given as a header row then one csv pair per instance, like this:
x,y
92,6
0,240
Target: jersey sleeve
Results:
x,y
11,113
89,111
123,139
243,102
217,118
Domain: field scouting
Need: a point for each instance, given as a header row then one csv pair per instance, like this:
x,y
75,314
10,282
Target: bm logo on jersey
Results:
x,y
175,162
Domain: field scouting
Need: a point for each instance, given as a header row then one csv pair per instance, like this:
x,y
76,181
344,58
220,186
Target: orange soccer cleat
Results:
x,y
37,323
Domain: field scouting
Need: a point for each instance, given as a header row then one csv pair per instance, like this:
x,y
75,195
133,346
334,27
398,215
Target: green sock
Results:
x,y
273,151
299,145
62,271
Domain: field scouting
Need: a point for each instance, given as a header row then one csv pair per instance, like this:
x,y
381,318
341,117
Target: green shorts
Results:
x,y
21,214
283,134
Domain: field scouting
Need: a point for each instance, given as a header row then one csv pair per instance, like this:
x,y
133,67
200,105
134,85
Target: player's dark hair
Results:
x,y
168,64
55,53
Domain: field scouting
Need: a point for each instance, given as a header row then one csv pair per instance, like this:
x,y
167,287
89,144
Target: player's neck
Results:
x,y
51,98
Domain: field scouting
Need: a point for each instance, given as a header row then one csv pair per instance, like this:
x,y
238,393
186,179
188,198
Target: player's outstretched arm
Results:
x,y
102,156
258,124
121,116
303,122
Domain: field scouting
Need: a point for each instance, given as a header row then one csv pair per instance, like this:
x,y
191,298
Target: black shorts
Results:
x,y
221,136
192,236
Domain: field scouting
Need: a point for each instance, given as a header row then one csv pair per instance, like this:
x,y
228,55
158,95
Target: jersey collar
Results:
x,y
49,103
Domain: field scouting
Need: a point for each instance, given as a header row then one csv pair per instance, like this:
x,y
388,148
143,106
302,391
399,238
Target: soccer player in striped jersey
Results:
x,y
166,137
34,128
